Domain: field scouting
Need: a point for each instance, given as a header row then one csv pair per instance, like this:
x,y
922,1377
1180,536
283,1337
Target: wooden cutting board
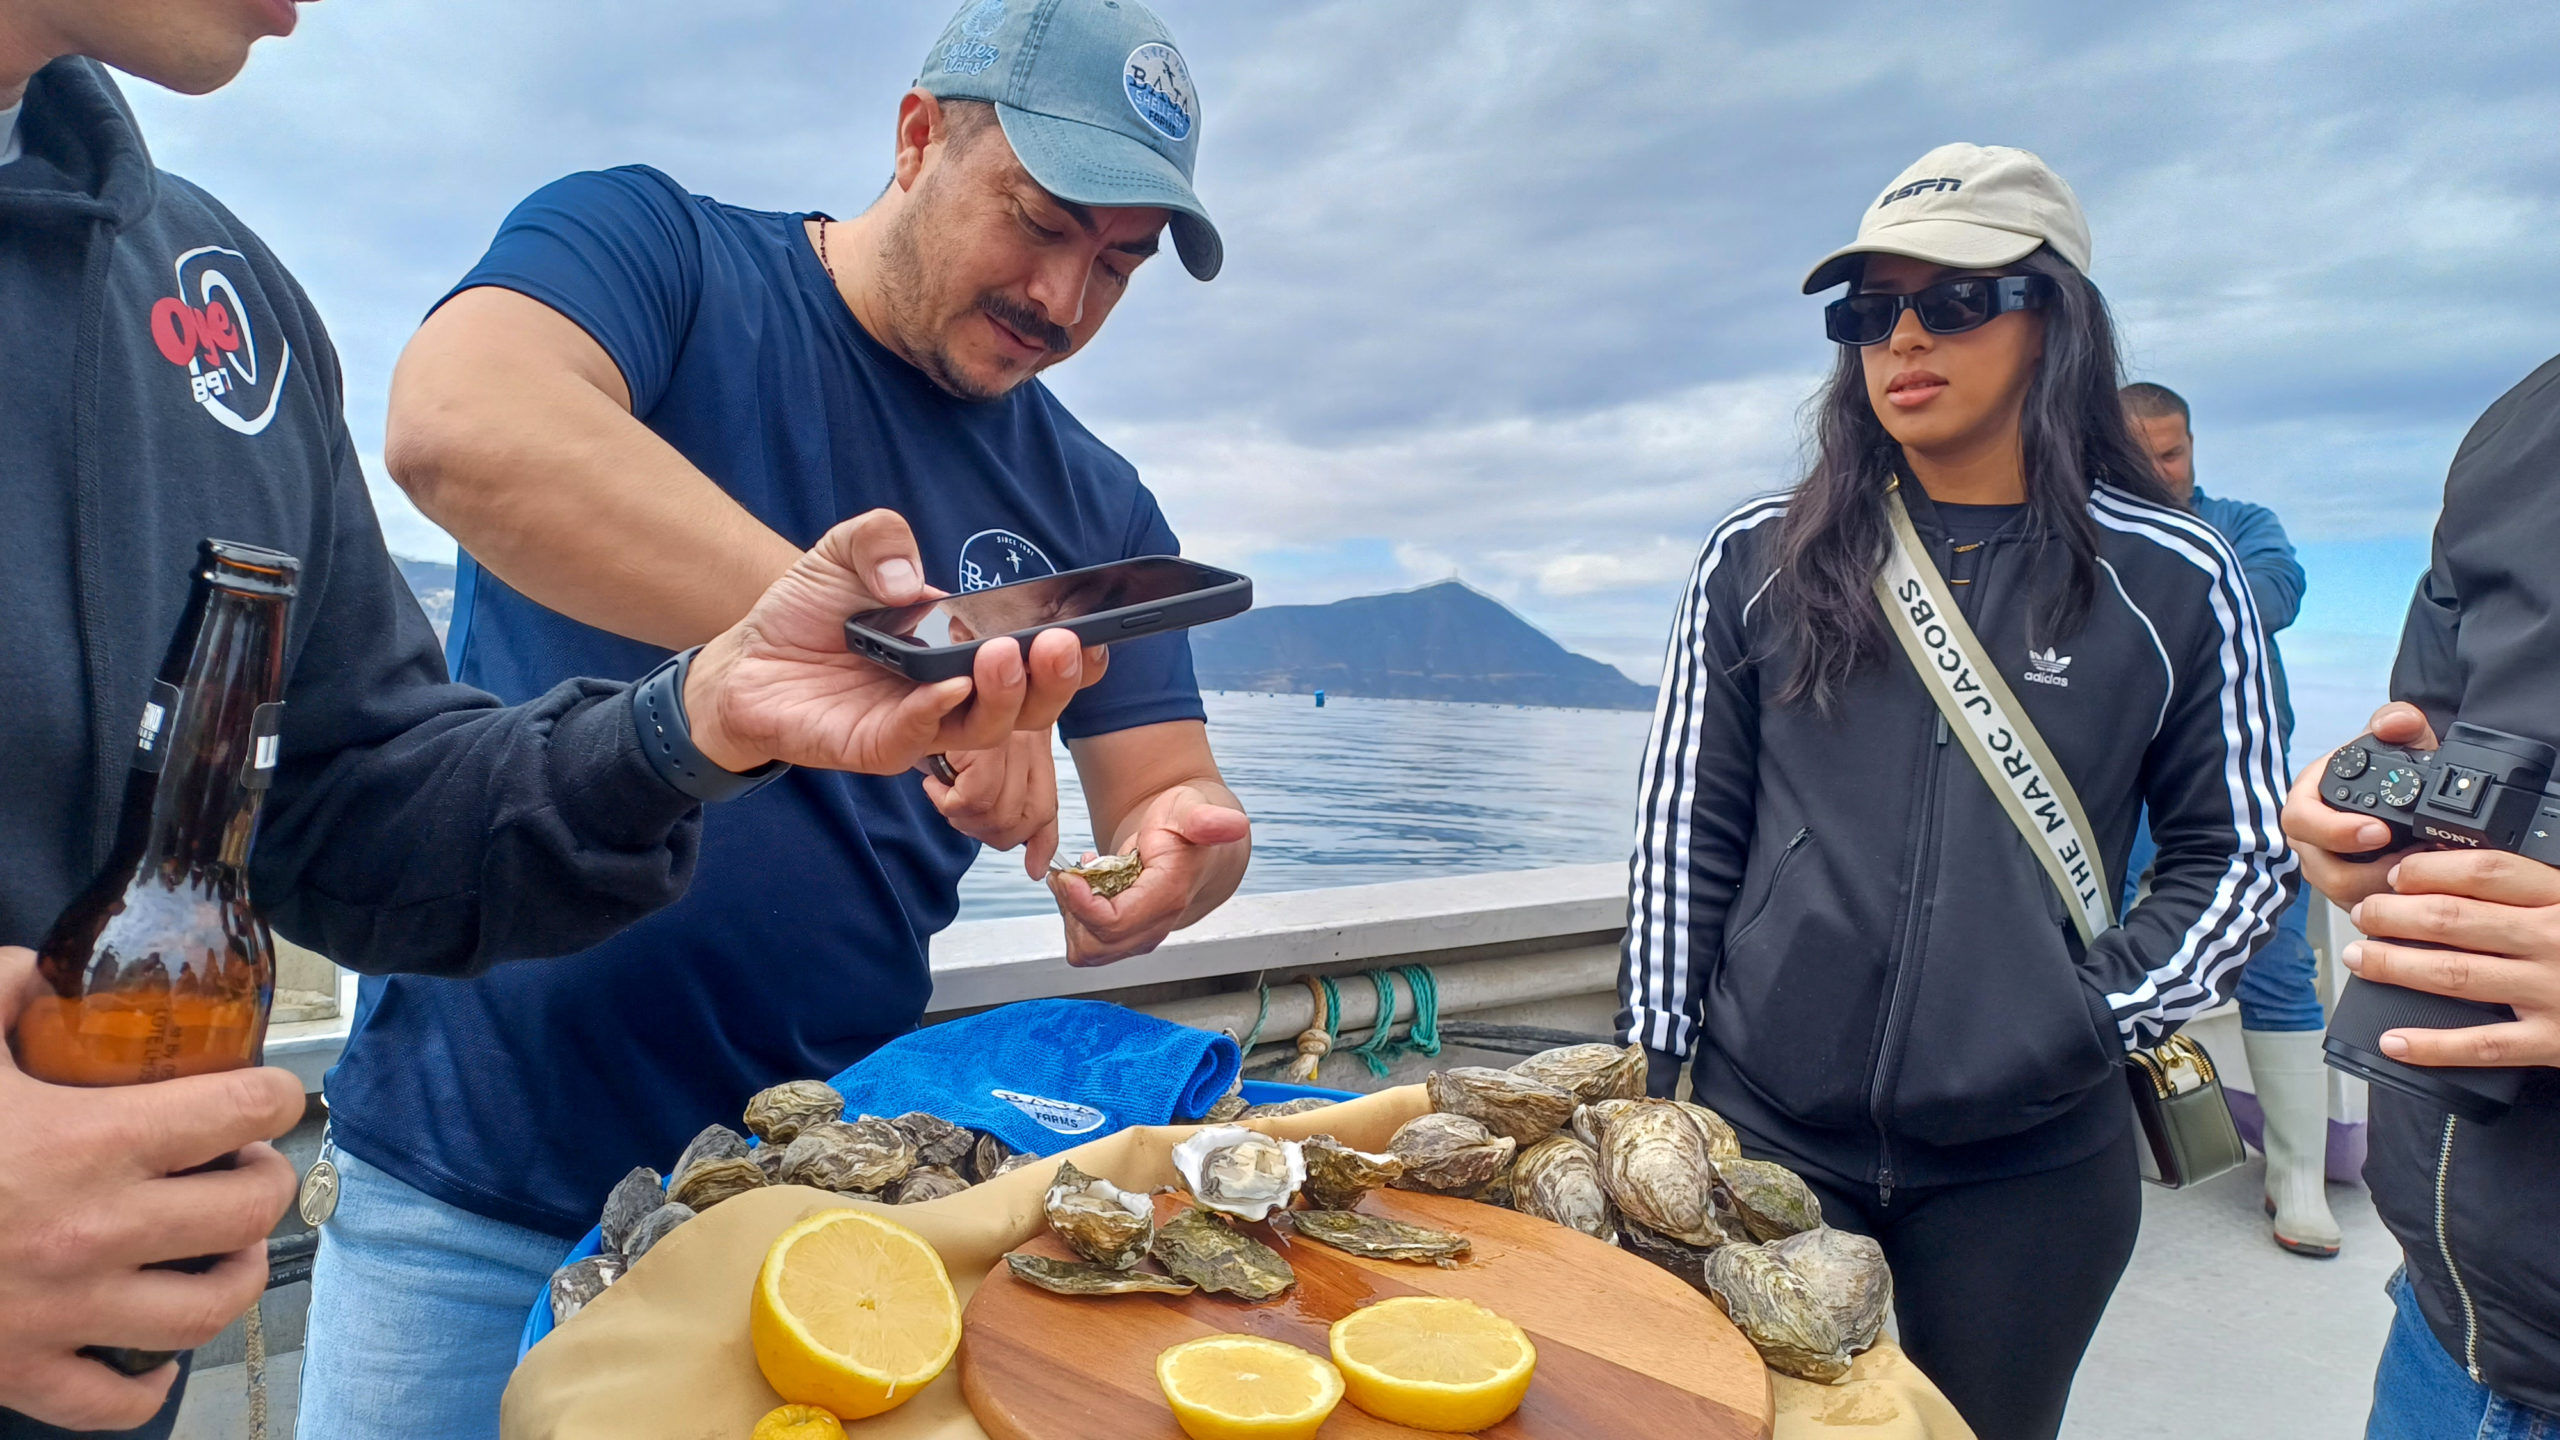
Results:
x,y
1625,1351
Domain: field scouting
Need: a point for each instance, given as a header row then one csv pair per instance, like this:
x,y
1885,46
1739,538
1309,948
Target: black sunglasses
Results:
x,y
1949,307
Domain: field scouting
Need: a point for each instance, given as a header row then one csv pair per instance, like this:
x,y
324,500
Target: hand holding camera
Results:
x,y
2458,991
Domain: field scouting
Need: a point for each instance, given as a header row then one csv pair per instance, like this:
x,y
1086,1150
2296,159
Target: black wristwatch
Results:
x,y
657,705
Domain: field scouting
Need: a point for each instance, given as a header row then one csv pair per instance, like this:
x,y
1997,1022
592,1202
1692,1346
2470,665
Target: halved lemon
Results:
x,y
852,1313
799,1422
1243,1387
1433,1363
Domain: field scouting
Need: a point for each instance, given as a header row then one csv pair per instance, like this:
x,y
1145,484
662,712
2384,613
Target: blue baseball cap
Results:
x,y
1095,100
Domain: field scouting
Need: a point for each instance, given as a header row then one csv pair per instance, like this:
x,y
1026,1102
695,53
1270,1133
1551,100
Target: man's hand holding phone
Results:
x,y
780,685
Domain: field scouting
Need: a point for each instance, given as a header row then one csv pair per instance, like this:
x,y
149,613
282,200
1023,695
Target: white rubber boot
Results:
x,y
2293,1090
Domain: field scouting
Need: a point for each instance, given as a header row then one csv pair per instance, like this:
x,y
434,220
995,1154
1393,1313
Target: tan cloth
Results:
x,y
663,1355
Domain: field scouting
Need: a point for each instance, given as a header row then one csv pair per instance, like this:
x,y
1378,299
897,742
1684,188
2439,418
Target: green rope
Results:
x,y
1422,1036
1332,1008
1382,1034
1261,1013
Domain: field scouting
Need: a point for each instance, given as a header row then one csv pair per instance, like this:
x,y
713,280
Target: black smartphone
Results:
x,y
1103,604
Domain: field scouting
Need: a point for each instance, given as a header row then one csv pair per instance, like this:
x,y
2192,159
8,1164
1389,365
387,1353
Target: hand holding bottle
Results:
x,y
779,684
93,1196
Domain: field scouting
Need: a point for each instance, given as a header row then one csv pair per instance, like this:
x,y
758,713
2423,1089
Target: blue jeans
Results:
x,y
2279,987
416,1307
2422,1393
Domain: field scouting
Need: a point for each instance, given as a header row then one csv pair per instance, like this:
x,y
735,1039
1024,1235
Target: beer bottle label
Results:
x,y
159,723
264,726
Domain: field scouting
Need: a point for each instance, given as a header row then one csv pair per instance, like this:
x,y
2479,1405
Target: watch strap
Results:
x,y
657,709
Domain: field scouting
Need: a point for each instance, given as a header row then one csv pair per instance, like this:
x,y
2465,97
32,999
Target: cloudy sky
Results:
x,y
1511,286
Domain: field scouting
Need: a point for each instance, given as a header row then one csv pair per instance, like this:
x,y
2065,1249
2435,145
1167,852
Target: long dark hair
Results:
x,y
2074,435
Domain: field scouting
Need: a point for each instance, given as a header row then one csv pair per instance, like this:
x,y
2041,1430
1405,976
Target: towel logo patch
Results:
x,y
1064,1116
207,328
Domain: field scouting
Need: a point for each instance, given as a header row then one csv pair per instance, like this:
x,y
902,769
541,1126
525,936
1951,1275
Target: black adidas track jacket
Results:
x,y
1835,917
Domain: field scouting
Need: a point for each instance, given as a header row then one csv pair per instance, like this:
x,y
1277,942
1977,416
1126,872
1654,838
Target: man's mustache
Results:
x,y
1027,322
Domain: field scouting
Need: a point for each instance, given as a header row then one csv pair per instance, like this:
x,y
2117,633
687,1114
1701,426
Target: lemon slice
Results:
x,y
853,1313
1242,1387
799,1422
1433,1363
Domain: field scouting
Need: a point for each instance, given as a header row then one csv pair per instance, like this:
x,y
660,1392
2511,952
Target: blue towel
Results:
x,y
1046,1075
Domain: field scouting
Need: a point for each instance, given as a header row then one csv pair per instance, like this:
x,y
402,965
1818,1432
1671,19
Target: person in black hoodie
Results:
x,y
1832,919
2475,1350
165,381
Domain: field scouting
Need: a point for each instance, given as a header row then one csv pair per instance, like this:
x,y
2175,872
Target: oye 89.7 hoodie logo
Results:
x,y
207,327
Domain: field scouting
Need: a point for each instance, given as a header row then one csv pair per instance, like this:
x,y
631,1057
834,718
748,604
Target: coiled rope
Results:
x,y
1382,1047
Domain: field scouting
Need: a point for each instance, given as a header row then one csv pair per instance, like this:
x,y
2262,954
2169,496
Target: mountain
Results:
x,y
1441,642
432,582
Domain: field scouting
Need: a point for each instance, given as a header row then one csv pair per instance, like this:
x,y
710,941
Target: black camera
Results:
x,y
2483,789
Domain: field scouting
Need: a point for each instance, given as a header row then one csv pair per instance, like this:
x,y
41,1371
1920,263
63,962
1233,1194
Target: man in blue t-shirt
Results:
x,y
634,412
2280,1018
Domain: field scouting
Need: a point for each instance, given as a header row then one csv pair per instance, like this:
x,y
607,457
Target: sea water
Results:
x,y
1362,791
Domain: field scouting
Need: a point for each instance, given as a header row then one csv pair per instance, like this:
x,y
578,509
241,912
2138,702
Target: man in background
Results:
x,y
630,412
2280,1017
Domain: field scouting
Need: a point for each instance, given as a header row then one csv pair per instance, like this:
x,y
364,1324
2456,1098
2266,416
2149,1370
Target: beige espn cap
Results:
x,y
1966,206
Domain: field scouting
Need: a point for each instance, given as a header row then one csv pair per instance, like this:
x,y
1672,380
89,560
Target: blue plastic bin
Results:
x,y
537,1321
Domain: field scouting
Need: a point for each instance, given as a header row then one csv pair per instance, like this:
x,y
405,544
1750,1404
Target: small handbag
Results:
x,y
2187,1131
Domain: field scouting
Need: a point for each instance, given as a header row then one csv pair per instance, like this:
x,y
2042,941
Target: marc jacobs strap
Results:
x,y
1994,727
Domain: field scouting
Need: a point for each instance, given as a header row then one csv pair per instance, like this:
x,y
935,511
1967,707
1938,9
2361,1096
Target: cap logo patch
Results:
x,y
969,52
1920,187
1159,87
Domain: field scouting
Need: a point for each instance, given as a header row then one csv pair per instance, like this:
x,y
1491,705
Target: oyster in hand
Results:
x,y
1449,1154
1558,1179
1082,1277
1777,1312
1526,1110
777,1116
1240,1172
1337,1175
1107,875
1589,1072
1198,1247
1101,1222
1378,1237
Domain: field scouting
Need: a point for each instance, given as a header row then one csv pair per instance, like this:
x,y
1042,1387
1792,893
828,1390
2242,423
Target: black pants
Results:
x,y
14,1426
1998,1285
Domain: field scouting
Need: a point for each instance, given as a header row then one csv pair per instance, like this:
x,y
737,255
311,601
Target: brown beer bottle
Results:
x,y
160,968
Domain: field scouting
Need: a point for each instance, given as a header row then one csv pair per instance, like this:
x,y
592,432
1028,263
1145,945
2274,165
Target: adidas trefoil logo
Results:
x,y
2046,668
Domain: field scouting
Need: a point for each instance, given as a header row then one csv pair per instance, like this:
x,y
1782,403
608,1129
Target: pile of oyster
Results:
x,y
1568,1136
800,1138
1232,1178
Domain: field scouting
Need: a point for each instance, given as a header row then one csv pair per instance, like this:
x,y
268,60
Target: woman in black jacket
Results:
x,y
1833,920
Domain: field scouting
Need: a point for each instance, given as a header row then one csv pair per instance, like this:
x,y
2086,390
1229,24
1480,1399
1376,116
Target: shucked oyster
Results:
x,y
1653,1162
1081,1277
1100,1221
1198,1247
1448,1154
1591,1121
1777,1312
927,1182
1773,1200
1240,1172
575,1284
1378,1236
654,1229
937,1141
1847,1274
860,1158
1558,1179
1107,875
1337,1175
777,1116
1589,1072
708,1182
1526,1110
630,1202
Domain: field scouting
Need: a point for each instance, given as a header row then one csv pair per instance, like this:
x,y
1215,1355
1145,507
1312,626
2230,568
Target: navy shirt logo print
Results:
x,y
1000,557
